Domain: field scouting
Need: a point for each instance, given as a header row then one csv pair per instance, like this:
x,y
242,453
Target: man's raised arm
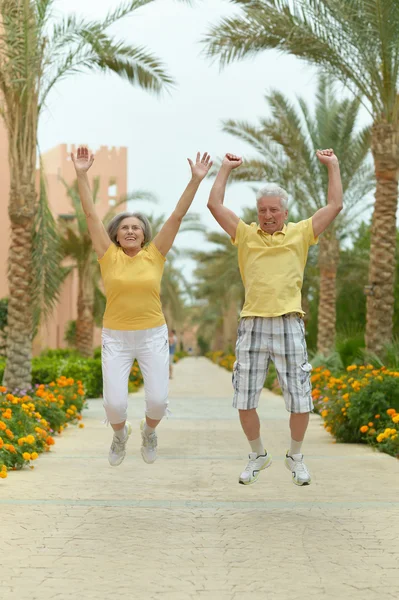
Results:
x,y
224,216
326,215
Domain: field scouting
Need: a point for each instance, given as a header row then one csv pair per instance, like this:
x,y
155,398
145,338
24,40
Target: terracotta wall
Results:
x,y
110,166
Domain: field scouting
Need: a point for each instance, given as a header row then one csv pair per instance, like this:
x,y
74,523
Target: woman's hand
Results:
x,y
83,161
200,169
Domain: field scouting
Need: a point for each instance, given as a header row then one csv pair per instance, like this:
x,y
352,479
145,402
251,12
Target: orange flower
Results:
x,y
50,441
364,428
391,411
371,424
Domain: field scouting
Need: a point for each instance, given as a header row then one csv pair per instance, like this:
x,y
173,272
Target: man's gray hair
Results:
x,y
272,189
114,225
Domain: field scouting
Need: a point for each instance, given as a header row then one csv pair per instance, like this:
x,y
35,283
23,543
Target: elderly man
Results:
x,y
272,257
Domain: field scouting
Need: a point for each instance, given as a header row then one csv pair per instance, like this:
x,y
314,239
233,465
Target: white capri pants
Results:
x,y
119,349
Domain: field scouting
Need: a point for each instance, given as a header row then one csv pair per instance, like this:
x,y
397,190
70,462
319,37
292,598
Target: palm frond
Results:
x,y
355,41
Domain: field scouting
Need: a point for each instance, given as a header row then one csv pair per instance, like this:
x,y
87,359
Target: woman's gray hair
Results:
x,y
272,189
114,224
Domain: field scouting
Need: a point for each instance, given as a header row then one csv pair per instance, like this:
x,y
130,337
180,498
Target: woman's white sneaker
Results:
x,y
148,445
299,471
117,452
255,465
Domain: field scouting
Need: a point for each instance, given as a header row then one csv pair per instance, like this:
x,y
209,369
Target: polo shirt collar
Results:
x,y
283,231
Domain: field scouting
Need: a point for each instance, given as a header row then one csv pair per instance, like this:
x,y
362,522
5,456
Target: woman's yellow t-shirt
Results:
x,y
132,288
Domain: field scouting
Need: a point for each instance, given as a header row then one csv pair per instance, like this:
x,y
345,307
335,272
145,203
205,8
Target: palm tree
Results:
x,y
287,143
76,244
36,52
357,42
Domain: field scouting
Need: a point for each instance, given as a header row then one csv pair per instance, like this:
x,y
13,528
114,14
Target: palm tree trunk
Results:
x,y
17,373
328,262
380,298
85,320
21,127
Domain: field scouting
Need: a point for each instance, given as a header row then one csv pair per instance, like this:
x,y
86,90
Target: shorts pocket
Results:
x,y
235,376
305,376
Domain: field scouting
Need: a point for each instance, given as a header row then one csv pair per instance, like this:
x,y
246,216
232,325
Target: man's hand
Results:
x,y
327,157
231,161
200,169
83,161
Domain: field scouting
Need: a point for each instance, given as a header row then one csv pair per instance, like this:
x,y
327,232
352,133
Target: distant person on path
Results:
x,y
134,326
272,256
172,350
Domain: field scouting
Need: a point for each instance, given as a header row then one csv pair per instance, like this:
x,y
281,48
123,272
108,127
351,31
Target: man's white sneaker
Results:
x,y
117,452
255,465
300,473
148,445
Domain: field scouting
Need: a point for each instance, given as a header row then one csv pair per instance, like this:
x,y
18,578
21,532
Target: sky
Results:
x,y
161,132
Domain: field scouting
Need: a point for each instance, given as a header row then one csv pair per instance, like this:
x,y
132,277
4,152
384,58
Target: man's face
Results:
x,y
271,214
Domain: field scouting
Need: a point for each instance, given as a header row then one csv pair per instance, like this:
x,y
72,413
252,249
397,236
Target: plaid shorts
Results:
x,y
282,340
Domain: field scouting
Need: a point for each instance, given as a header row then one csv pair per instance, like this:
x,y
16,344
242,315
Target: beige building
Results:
x,y
110,166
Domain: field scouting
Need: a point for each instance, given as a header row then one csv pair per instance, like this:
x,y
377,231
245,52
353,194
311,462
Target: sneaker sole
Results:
x,y
255,479
293,480
129,431
148,462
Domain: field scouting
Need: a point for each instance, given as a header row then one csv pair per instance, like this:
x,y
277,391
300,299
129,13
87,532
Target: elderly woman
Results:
x,y
134,326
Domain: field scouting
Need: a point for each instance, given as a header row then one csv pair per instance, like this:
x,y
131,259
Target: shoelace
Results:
x,y
301,468
250,465
118,445
150,441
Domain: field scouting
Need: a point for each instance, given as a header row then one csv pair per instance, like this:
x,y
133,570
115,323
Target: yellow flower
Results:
x,y
351,368
395,419
324,413
3,474
30,439
34,455
26,456
81,425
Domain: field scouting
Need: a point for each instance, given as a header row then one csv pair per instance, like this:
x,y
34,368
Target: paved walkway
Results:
x,y
183,529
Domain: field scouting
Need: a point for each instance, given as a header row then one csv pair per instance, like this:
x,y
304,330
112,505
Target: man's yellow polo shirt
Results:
x,y
272,267
132,288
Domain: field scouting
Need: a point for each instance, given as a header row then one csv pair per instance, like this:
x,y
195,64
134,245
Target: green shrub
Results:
x,y
360,405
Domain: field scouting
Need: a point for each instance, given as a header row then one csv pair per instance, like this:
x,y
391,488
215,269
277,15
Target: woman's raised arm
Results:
x,y
165,238
99,236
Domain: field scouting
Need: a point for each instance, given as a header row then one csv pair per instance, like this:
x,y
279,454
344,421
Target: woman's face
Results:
x,y
130,234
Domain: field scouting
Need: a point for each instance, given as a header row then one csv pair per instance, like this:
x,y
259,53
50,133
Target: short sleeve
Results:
x,y
308,231
155,254
109,256
241,233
